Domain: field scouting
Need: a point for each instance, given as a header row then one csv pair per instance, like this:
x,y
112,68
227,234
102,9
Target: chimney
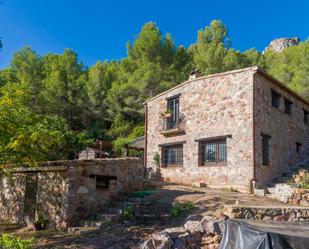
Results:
x,y
194,74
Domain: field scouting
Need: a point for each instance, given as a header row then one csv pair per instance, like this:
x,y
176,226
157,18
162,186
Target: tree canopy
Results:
x,y
51,106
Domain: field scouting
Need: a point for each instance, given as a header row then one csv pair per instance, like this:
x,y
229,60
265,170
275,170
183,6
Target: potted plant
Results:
x,y
166,114
40,223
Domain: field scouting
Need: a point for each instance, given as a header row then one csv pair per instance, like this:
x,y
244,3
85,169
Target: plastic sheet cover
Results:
x,y
252,234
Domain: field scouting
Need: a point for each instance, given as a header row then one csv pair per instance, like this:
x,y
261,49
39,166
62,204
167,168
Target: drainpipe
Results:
x,y
146,140
252,180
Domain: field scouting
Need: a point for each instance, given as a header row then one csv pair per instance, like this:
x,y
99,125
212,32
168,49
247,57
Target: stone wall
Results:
x,y
67,191
85,197
284,213
285,130
11,198
213,106
50,197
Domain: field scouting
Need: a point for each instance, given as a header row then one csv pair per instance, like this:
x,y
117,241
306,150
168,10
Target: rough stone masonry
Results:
x,y
230,124
65,192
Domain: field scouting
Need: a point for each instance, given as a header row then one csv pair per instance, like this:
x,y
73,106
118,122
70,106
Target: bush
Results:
x,y
8,241
128,214
181,208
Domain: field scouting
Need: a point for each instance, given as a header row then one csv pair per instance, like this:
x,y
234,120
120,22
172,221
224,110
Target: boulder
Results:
x,y
148,244
195,229
213,225
179,244
187,239
162,240
174,231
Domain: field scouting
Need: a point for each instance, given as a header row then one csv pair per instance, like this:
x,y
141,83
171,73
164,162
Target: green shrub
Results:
x,y
128,214
181,208
8,241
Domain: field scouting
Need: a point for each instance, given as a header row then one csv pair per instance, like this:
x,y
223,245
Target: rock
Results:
x,y
187,239
213,225
195,228
148,244
162,240
179,244
174,231
278,45
212,239
212,246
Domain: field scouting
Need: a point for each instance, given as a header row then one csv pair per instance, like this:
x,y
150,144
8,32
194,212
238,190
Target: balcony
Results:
x,y
172,126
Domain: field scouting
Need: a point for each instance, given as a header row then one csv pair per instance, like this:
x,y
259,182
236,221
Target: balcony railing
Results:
x,y
172,126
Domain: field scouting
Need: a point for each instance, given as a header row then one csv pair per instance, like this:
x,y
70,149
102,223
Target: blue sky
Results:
x,y
99,30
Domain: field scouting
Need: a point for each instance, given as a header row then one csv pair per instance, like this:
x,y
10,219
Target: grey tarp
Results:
x,y
247,234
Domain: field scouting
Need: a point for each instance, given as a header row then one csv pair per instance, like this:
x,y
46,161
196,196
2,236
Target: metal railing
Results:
x,y
172,124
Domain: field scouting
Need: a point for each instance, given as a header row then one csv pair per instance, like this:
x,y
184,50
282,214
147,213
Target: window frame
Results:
x,y
164,150
275,99
266,156
215,142
288,106
306,116
298,147
172,105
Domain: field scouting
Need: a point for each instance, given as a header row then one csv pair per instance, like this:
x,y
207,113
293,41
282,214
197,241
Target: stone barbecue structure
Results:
x,y
230,129
66,192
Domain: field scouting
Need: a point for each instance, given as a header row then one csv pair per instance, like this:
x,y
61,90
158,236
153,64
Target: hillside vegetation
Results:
x,y
51,105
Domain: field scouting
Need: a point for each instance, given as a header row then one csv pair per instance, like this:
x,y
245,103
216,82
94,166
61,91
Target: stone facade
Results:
x,y
68,191
235,105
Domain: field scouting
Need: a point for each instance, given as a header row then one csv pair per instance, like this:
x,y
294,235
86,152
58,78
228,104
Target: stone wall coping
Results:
x,y
37,169
64,165
267,207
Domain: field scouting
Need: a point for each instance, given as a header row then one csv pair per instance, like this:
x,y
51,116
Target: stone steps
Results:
x,y
279,189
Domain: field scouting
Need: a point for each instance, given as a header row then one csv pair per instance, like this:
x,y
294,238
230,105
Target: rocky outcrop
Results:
x,y
205,233
278,45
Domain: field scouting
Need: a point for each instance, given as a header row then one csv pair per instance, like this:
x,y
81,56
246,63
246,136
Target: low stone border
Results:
x,y
276,213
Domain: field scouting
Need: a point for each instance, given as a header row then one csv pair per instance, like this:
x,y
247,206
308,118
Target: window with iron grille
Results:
x,y
265,149
172,155
212,152
288,106
275,99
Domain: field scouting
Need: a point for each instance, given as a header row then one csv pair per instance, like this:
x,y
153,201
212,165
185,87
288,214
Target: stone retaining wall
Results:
x,y
283,213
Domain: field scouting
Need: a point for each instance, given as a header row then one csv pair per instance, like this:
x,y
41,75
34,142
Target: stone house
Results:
x,y
229,129
66,192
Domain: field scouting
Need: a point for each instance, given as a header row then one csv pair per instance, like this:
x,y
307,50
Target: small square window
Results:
x,y
265,149
275,99
288,106
298,147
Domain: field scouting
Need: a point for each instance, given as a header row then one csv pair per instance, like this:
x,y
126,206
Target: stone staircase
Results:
x,y
113,212
279,188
